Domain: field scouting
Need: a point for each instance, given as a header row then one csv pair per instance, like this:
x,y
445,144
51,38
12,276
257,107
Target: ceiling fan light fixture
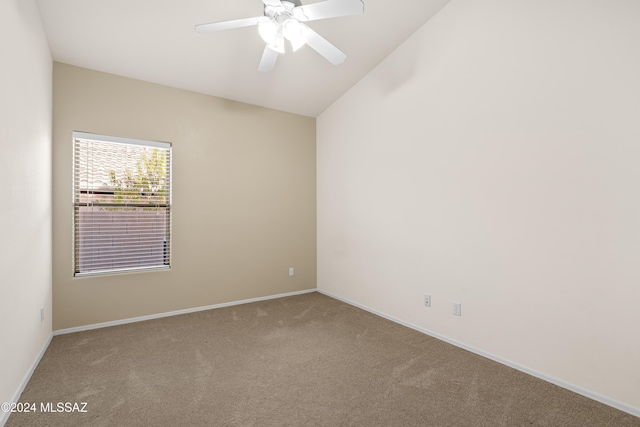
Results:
x,y
268,30
294,32
292,29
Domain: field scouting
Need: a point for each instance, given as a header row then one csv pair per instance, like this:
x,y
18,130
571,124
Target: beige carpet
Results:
x,y
307,360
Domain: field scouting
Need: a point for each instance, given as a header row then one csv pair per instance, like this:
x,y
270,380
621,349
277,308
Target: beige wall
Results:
x,y
493,160
25,193
243,197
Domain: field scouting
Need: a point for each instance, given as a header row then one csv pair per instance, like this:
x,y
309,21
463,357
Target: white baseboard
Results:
x,y
175,313
4,416
587,393
560,383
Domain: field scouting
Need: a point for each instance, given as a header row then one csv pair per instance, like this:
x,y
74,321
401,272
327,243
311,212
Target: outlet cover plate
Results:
x,y
427,300
457,309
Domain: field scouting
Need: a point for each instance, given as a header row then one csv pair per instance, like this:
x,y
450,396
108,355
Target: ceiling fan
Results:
x,y
284,20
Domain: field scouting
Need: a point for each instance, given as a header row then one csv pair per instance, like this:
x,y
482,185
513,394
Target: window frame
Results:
x,y
76,204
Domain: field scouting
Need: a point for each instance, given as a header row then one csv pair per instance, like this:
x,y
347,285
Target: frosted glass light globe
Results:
x,y
294,32
268,31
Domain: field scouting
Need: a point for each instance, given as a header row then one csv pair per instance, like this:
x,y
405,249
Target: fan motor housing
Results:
x,y
289,5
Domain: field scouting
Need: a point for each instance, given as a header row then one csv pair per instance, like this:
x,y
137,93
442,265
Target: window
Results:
x,y
122,204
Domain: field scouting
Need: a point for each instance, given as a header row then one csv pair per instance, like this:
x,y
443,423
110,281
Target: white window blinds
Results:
x,y
122,204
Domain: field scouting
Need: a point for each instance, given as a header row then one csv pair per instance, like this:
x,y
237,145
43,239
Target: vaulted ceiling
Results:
x,y
155,41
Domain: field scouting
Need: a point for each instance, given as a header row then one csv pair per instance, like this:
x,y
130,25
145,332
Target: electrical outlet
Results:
x,y
290,271
457,309
427,300
41,314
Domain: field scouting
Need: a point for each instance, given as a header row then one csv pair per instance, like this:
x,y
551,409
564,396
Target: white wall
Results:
x,y
493,159
25,192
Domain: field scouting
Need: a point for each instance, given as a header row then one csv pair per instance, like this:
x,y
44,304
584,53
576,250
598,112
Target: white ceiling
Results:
x,y
154,40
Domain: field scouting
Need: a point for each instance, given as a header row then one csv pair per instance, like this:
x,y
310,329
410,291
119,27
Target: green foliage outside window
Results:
x,y
146,184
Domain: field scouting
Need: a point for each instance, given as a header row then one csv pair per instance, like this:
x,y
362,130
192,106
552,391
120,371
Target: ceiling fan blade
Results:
x,y
323,47
328,9
227,25
268,61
